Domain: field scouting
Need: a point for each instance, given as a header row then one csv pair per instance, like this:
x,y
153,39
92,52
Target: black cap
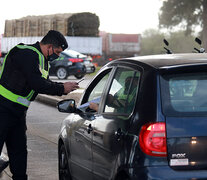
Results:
x,y
56,38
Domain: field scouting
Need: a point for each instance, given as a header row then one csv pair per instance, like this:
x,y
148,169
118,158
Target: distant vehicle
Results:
x,y
153,128
120,45
67,65
87,60
86,45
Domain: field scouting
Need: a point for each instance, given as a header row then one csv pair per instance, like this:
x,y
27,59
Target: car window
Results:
x,y
65,55
184,93
74,54
96,91
61,57
122,94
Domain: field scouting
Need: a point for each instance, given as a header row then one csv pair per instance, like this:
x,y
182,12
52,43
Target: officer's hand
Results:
x,y
70,86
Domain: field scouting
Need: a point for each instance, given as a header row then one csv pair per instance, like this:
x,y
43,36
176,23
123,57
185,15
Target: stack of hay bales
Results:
x,y
80,24
83,24
9,29
36,25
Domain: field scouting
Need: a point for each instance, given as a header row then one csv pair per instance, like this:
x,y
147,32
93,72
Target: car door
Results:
x,y
112,121
82,130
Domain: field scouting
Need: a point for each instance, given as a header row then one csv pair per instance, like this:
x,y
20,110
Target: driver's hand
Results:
x,y
93,106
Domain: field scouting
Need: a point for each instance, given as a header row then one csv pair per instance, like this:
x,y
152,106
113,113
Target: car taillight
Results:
x,y
152,139
75,60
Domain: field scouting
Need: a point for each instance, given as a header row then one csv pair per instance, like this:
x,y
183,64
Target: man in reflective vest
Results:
x,y
25,74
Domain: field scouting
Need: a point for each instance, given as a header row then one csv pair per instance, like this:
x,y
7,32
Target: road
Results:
x,y
43,123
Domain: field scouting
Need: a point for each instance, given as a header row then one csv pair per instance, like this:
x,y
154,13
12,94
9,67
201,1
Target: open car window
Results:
x,y
96,91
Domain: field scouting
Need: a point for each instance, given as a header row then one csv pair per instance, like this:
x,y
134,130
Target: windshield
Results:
x,y
184,94
74,54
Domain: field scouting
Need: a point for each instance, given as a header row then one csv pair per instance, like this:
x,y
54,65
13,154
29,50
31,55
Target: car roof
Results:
x,y
167,61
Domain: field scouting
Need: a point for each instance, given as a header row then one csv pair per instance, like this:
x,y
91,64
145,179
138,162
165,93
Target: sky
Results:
x,y
116,16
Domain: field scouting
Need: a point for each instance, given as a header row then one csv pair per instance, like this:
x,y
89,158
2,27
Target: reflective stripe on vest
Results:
x,y
41,59
25,101
14,97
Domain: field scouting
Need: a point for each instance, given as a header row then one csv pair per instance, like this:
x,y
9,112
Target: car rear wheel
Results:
x,y
61,73
63,167
79,76
93,69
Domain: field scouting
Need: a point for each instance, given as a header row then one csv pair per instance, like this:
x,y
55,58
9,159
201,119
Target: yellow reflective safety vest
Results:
x,y
24,101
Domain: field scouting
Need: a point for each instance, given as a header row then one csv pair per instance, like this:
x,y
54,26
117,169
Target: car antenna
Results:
x,y
201,50
168,51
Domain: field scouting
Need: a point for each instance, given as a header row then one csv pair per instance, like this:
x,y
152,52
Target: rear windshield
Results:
x,y
74,54
184,94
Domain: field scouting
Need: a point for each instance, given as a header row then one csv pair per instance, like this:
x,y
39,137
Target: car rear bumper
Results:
x,y
90,69
165,172
76,71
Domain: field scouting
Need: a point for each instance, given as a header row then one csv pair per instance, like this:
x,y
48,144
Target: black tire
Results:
x,y
63,166
62,73
93,69
79,76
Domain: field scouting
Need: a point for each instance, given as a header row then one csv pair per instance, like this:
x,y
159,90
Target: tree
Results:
x,y
179,43
152,42
185,14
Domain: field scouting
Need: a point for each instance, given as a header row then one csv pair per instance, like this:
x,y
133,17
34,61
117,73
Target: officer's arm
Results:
x,y
28,63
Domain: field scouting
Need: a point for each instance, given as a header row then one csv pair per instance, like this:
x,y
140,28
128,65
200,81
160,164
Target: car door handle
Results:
x,y
119,134
89,129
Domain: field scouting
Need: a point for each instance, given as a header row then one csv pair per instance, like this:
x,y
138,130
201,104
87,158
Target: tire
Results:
x,y
93,69
79,76
61,73
63,166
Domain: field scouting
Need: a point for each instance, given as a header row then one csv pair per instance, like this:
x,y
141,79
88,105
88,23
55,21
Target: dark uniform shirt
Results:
x,y
26,76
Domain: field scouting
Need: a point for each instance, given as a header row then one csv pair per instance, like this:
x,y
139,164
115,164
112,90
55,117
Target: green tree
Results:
x,y
180,43
152,42
186,14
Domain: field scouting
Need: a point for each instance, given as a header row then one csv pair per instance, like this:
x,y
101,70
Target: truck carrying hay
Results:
x,y
83,24
78,24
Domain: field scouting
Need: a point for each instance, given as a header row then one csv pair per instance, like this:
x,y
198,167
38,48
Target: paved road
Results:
x,y
43,124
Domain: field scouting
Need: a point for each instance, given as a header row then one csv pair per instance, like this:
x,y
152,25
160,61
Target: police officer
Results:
x,y
25,74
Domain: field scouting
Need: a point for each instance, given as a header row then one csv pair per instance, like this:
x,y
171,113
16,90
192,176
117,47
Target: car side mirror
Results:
x,y
67,106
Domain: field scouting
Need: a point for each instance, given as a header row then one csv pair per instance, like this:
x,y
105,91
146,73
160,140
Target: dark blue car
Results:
x,y
150,122
67,65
